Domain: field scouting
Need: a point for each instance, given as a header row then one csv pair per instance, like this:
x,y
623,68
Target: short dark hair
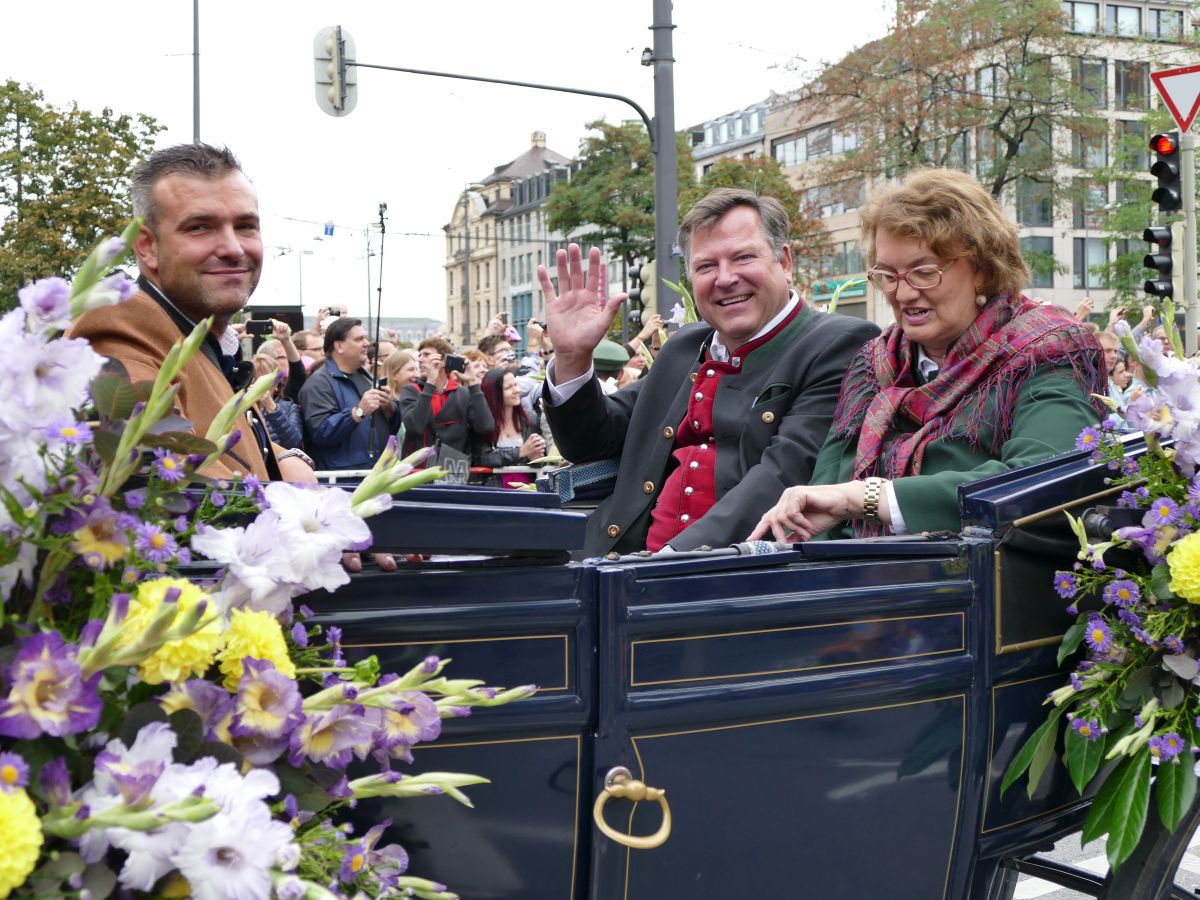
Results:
x,y
487,343
707,212
198,160
338,329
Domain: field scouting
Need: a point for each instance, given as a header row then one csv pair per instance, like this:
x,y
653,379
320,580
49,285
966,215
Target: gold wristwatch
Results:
x,y
871,497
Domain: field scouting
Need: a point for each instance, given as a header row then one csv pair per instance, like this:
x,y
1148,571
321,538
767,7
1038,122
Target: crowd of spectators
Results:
x,y
341,397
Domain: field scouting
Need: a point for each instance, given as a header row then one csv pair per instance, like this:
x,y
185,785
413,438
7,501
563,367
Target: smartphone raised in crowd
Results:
x,y
259,326
455,363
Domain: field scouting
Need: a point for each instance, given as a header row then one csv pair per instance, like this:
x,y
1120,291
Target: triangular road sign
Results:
x,y
1180,90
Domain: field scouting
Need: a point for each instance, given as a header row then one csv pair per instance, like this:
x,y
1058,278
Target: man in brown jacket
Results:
x,y
200,254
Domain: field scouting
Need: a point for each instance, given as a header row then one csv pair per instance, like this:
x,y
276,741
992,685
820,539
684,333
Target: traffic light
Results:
x,y
1168,195
1161,285
334,71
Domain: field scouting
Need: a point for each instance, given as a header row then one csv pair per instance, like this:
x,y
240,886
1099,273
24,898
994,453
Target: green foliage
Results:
x,y
612,193
64,176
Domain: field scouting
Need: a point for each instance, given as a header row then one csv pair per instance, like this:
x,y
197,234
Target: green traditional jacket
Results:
x,y
1051,410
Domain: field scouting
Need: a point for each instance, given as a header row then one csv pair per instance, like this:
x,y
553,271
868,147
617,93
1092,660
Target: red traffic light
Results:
x,y
1164,144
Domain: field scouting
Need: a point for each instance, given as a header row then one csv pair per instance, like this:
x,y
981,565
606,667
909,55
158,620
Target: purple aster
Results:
x,y
181,523
56,782
1166,746
353,862
1127,500
253,489
1072,610
14,773
1123,593
1173,643
1129,617
1076,681
1088,439
183,556
168,466
1098,635
1163,511
217,499
135,499
330,737
156,545
1129,468
1087,728
68,431
47,691
1066,585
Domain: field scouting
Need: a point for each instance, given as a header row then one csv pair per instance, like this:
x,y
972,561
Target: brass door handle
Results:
x,y
619,782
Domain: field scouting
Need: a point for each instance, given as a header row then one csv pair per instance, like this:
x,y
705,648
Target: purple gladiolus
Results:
x,y
56,782
331,737
412,718
47,691
268,702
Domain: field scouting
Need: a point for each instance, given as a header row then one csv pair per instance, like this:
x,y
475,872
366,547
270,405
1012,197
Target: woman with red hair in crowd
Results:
x,y
516,437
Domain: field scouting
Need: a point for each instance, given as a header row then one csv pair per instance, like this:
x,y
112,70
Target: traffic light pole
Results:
x,y
1187,163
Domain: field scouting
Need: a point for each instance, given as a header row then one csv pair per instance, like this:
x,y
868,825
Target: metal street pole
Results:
x,y
666,195
1187,164
195,71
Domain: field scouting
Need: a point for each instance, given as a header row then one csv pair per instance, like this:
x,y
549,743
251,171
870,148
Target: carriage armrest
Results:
x,y
581,481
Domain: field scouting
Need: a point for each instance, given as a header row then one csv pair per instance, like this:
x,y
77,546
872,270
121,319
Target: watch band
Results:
x,y
871,496
298,454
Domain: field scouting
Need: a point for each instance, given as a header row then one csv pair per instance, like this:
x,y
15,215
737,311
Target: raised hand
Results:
x,y
575,315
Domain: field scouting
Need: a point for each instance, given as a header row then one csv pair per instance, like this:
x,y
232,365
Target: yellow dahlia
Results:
x,y
175,660
254,634
21,838
1184,563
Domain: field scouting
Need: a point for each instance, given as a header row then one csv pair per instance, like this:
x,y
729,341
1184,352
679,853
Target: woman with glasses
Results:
x,y
973,379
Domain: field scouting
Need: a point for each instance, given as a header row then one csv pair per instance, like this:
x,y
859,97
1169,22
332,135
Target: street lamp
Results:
x,y
466,279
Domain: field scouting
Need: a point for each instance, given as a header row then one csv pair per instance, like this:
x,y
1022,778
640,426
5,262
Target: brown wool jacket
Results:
x,y
138,333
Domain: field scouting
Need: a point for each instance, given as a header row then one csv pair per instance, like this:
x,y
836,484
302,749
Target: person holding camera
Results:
x,y
445,404
347,420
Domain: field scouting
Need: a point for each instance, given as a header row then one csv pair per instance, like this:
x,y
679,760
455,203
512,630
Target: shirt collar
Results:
x,y
926,365
718,352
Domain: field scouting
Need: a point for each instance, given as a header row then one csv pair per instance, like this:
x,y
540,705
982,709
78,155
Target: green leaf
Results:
x,y
222,753
1130,802
106,443
1043,754
100,880
1100,815
189,733
1024,757
1175,789
1083,758
1138,689
181,442
1160,582
1072,639
113,396
1172,695
137,717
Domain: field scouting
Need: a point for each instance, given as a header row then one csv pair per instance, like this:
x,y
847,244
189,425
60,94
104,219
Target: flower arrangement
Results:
x,y
1130,712
170,722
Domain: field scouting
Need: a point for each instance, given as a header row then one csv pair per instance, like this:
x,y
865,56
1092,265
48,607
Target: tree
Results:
x,y
612,192
64,177
810,243
982,84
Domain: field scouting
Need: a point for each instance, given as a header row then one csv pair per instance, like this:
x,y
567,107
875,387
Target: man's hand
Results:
x,y
576,316
376,399
282,332
1114,316
1147,315
533,328
496,326
431,366
1084,309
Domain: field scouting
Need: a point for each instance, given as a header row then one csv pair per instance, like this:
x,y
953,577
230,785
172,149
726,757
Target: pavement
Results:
x,y
1092,858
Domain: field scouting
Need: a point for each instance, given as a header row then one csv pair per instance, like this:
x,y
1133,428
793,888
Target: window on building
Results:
x,y
1166,24
1133,152
1091,77
739,127
845,259
1082,18
1035,203
503,270
844,141
756,120
1039,256
833,199
710,134
723,131
450,283
820,141
487,274
1124,21
989,82
1089,273
1132,83
1088,208
1090,151
790,151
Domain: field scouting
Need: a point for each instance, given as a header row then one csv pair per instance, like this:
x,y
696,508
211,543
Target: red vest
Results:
x,y
691,489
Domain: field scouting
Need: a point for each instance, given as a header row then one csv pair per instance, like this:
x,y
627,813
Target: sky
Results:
x,y
412,142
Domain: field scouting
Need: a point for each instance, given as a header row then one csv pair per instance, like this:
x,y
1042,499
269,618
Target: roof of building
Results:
x,y
537,159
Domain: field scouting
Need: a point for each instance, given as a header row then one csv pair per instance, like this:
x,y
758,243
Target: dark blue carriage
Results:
x,y
802,711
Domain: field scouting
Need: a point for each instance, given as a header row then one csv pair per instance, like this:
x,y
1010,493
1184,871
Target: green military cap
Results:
x,y
609,356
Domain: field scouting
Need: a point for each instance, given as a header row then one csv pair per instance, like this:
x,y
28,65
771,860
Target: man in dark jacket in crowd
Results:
x,y
443,406
346,420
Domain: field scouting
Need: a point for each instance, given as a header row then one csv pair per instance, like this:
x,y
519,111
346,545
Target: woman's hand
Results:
x,y
534,447
804,512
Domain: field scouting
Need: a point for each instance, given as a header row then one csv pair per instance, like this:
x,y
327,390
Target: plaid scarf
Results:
x,y
975,391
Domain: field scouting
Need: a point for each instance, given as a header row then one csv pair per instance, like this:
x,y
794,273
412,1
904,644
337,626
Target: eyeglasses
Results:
x,y
920,278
